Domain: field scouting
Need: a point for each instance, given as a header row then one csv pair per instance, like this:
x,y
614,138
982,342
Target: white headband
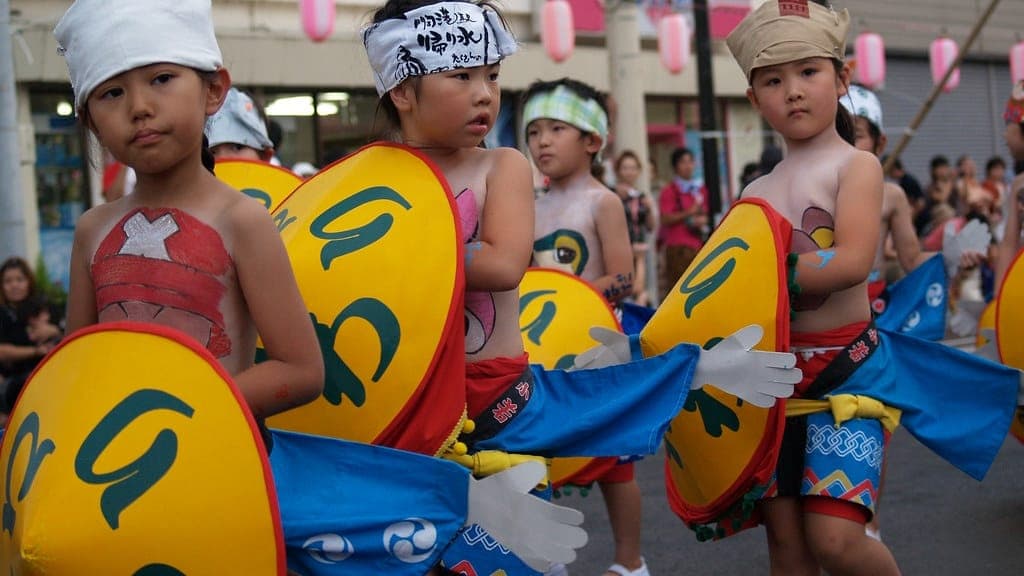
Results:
x,y
100,39
860,101
435,38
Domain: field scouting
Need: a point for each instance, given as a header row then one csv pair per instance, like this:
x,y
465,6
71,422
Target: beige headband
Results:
x,y
781,31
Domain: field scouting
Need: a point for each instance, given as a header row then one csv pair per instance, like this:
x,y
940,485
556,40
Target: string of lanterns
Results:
x,y
558,36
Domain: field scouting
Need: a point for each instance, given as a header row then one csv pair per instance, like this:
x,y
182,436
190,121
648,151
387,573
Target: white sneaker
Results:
x,y
623,571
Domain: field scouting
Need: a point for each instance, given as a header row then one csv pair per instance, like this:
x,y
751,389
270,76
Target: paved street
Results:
x,y
937,521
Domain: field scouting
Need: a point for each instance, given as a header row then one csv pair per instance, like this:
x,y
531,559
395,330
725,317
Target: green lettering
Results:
x,y
348,241
699,292
130,482
36,453
340,379
535,329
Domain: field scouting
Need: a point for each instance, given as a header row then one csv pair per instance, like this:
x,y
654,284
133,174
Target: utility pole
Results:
x,y
625,78
12,214
706,95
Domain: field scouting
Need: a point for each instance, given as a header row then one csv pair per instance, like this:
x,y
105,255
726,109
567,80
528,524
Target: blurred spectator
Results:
x,y
684,218
751,170
995,184
26,331
938,193
970,195
640,218
911,187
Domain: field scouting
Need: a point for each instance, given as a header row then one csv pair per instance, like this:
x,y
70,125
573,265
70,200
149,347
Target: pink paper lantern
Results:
x,y
317,18
943,51
674,42
869,51
1017,63
556,29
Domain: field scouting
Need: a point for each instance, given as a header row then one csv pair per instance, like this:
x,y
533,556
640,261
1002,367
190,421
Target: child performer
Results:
x,y
791,53
185,250
1014,208
443,98
897,218
581,229
238,130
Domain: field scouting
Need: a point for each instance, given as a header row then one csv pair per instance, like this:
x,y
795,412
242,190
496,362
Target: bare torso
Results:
x,y
173,266
492,318
565,234
804,191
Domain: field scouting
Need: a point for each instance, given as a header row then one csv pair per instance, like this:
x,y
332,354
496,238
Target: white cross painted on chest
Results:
x,y
148,239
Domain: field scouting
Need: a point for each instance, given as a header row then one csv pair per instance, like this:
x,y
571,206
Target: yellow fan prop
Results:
x,y
375,245
1009,323
556,312
130,453
719,448
265,182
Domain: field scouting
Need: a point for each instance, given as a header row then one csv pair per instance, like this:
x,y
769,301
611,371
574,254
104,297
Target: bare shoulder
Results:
x,y
506,159
97,221
244,214
858,161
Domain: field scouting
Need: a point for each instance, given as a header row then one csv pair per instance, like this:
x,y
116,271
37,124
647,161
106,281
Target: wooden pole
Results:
x,y
937,89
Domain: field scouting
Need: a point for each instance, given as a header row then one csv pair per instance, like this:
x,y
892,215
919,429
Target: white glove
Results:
x,y
973,237
751,375
964,321
537,531
612,350
990,351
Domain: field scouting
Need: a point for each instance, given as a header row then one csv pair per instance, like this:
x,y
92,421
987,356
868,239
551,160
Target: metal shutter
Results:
x,y
967,120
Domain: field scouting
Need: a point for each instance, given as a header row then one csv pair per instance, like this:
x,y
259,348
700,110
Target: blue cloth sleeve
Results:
x,y
609,411
362,510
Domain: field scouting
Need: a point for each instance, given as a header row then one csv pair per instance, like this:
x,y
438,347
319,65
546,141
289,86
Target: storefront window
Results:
x,y
62,188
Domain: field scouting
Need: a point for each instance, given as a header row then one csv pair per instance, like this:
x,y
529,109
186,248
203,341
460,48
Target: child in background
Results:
x,y
791,53
184,250
1013,206
238,130
581,229
897,218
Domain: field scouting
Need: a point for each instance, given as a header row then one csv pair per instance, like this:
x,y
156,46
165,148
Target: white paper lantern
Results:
x,y
1017,63
674,42
317,18
869,51
557,32
942,52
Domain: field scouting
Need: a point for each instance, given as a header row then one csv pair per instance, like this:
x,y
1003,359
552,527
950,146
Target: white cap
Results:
x,y
100,39
238,122
859,101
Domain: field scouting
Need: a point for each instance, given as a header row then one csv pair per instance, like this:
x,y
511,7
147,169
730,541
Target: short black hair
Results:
x,y
678,155
994,162
938,161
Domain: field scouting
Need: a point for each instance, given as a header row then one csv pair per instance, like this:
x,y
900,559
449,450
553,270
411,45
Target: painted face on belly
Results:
x,y
816,232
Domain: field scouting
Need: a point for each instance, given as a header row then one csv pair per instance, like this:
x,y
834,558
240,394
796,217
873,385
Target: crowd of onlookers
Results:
x,y
675,222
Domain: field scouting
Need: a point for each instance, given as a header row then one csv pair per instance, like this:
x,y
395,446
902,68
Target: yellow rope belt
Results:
x,y
487,462
846,407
